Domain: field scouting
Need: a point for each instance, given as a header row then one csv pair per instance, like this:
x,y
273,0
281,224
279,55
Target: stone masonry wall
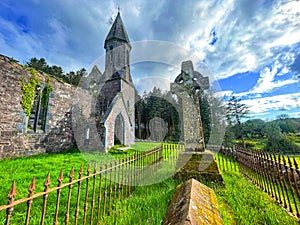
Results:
x,y
15,141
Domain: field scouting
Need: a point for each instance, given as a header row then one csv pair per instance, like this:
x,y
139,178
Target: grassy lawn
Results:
x,y
23,169
243,203
144,146
147,205
240,201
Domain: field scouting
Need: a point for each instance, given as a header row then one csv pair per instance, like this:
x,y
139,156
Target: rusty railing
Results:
x,y
277,175
90,197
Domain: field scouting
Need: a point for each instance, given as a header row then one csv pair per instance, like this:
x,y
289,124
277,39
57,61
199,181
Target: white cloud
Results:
x,y
279,102
250,35
149,82
221,94
266,81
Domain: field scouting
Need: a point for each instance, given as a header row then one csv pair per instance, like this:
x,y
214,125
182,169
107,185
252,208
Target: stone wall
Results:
x,y
15,140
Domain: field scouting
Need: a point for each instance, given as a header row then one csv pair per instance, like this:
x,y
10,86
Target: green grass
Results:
x,y
23,169
147,205
144,146
243,203
240,201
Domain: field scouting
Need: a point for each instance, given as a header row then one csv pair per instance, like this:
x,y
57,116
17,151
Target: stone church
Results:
x,y
112,108
115,103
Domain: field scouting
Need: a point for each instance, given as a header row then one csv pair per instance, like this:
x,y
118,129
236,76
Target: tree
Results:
x,y
253,128
38,64
56,71
157,104
236,111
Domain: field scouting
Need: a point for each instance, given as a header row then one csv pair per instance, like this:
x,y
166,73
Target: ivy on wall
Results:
x,y
29,93
28,90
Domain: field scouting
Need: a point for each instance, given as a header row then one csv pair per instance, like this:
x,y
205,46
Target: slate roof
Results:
x,y
117,31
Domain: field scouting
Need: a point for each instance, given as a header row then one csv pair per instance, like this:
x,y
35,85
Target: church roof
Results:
x,y
117,31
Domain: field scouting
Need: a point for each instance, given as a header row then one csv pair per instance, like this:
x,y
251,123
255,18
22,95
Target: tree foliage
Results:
x,y
235,112
56,71
157,104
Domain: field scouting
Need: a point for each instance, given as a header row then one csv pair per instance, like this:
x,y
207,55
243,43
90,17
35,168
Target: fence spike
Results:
x,y
12,192
284,162
95,168
31,187
279,158
80,171
274,157
295,163
71,174
60,178
290,162
88,170
47,182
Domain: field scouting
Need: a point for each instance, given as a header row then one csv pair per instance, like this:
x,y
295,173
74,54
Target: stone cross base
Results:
x,y
198,165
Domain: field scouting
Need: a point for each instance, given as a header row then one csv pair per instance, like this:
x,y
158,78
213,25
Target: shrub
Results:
x,y
282,145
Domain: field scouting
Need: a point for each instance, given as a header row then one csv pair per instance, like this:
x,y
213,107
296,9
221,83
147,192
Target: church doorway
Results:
x,y
119,135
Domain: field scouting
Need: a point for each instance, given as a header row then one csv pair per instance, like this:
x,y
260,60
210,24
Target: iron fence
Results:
x,y
90,197
277,175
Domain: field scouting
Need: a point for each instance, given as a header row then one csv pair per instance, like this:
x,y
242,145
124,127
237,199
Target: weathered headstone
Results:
x,y
193,203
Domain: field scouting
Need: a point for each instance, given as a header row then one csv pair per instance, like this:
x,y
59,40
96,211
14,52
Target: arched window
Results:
x,y
38,117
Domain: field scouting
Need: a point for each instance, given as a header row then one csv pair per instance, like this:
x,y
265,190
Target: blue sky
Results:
x,y
251,48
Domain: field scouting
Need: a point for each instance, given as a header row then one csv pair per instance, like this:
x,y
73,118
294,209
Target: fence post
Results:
x,y
105,189
110,187
290,183
100,193
29,202
11,197
93,194
69,196
282,166
85,207
45,196
60,178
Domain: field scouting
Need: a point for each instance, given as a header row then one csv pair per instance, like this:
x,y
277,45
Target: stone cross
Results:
x,y
188,86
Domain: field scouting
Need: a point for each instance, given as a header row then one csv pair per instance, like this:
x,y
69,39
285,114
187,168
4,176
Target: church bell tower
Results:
x,y
117,46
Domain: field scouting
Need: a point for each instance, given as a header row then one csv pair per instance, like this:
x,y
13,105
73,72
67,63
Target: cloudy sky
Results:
x,y
249,48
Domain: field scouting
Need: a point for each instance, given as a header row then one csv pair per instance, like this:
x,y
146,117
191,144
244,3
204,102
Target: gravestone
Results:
x,y
193,203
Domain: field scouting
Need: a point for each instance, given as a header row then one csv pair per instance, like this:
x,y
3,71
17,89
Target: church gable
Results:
x,y
118,123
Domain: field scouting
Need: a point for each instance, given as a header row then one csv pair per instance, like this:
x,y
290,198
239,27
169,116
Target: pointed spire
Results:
x,y
117,31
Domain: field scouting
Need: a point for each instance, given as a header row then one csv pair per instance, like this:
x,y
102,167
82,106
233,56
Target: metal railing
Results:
x,y
90,197
277,175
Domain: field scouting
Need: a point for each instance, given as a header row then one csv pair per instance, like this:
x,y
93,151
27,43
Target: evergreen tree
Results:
x,y
56,71
235,112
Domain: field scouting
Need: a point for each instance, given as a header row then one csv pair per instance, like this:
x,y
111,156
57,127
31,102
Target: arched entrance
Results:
x,y
119,135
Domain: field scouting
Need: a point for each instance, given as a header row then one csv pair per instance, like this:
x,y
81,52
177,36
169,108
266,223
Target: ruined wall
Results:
x,y
14,139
